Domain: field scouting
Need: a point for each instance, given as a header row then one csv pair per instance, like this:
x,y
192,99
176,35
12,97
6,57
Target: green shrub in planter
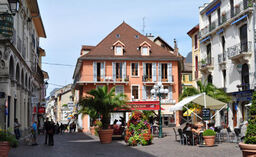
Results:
x,y
209,132
250,137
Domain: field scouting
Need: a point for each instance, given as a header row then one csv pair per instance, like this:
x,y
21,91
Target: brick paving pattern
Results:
x,y
81,145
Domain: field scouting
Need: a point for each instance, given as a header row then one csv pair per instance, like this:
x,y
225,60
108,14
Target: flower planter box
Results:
x,y
4,148
249,150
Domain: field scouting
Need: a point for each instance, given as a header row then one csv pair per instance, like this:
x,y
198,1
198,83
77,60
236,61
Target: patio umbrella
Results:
x,y
200,99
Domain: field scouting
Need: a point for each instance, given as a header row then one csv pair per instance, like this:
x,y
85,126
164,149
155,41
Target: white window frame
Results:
x,y
138,69
143,52
121,50
137,85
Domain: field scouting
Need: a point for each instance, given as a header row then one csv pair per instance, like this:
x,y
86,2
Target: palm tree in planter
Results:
x,y
249,145
104,102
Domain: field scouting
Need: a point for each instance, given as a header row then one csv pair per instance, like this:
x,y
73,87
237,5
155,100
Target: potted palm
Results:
x,y
7,140
249,146
104,101
209,137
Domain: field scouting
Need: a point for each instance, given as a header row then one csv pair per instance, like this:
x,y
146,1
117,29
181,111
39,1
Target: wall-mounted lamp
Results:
x,y
14,6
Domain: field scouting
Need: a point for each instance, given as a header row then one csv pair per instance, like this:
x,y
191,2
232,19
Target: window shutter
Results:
x,y
159,72
94,71
169,72
102,70
154,72
170,92
123,71
114,71
144,93
144,69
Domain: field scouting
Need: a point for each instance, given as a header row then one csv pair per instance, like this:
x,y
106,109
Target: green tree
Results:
x,y
103,102
250,137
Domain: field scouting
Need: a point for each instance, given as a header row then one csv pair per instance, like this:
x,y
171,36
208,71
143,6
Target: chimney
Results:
x,y
176,49
150,36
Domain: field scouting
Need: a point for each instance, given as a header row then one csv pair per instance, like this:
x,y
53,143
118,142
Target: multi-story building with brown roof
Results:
x,y
132,63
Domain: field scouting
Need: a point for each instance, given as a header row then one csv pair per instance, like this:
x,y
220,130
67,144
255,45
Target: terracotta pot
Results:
x,y
92,130
105,136
4,148
209,140
249,150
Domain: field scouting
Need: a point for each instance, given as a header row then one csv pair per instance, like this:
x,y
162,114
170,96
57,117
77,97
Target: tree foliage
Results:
x,y
250,137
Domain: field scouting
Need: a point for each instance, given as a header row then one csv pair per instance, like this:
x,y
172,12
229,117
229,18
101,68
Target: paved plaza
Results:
x,y
79,144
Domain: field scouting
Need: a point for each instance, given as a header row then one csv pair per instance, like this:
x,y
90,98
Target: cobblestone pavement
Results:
x,y
81,145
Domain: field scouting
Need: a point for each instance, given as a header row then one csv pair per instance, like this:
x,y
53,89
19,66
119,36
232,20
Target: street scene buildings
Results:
x,y
115,85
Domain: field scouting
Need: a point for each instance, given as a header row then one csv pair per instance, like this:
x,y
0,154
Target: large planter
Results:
x,y
249,150
4,148
105,136
209,140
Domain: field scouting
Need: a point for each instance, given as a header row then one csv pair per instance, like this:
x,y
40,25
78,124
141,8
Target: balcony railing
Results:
x,y
222,57
146,78
226,16
241,48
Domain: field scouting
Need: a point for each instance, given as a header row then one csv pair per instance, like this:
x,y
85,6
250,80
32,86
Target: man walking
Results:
x,y
51,133
46,127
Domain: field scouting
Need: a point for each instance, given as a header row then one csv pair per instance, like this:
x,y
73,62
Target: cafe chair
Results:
x,y
176,135
237,132
218,134
183,137
230,135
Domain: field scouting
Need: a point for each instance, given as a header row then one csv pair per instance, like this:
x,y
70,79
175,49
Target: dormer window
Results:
x,y
145,48
144,51
118,48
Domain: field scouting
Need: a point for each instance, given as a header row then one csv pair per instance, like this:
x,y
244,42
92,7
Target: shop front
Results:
x,y
239,108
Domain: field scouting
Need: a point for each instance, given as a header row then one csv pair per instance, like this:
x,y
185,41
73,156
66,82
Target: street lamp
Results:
x,y
14,6
158,90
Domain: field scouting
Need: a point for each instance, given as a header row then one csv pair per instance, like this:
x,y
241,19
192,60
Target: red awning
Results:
x,y
144,105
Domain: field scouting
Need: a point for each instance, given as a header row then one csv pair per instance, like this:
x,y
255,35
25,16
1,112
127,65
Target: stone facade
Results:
x,y
227,53
21,77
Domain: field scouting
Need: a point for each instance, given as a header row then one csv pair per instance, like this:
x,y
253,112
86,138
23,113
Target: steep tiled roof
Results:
x,y
132,40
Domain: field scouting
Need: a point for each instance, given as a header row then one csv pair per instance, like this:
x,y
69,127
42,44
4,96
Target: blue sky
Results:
x,y
70,24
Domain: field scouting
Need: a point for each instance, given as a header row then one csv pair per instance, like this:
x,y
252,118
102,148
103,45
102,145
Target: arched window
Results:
x,y
245,77
11,68
26,80
22,77
18,73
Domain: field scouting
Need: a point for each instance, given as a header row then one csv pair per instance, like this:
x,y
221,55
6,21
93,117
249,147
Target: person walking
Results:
x,y
34,130
46,127
17,128
51,133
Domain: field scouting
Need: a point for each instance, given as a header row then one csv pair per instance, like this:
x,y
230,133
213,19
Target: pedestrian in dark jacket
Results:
x,y
17,128
46,127
51,133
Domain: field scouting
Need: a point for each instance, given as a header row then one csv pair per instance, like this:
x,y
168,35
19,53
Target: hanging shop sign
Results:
x,y
6,25
41,110
206,114
243,95
144,105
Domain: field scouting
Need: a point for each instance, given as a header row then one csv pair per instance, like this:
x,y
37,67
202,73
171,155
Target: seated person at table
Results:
x,y
187,127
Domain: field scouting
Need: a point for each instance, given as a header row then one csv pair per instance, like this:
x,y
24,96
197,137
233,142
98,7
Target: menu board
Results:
x,y
6,25
206,114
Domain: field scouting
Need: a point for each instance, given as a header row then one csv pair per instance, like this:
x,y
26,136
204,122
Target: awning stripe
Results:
x,y
213,8
205,39
241,18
